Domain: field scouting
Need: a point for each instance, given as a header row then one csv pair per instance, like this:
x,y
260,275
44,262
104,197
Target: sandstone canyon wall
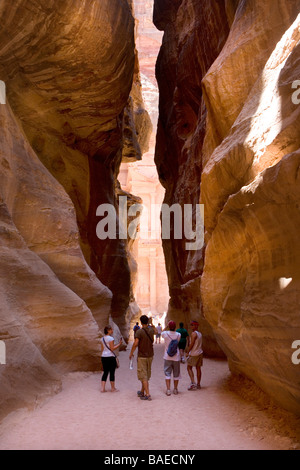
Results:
x,y
229,137
190,46
74,110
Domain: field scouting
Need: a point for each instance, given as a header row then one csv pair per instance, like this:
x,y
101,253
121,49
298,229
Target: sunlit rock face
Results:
x,y
232,143
74,110
250,187
69,70
49,297
148,40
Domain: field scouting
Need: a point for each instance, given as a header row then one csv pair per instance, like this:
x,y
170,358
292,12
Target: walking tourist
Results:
x,y
159,331
136,328
144,339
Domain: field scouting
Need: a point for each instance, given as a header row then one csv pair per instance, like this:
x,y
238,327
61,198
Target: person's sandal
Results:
x,y
146,397
175,391
168,393
192,387
140,394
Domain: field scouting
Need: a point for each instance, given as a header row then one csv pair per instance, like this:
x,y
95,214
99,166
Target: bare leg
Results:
x,y
191,374
176,384
145,387
103,387
168,384
199,375
113,388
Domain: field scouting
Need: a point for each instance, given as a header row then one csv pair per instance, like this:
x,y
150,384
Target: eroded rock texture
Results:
x,y
69,68
229,137
50,298
190,46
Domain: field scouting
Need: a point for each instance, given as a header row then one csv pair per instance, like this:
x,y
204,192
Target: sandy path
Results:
x,y
213,418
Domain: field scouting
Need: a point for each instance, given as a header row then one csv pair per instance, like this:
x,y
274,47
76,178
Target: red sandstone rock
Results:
x,y
69,71
48,293
190,46
250,189
229,136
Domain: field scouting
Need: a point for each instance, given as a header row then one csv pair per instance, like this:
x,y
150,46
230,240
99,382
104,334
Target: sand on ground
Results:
x,y
227,413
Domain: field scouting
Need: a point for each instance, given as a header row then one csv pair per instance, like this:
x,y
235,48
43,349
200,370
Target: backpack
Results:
x,y
172,348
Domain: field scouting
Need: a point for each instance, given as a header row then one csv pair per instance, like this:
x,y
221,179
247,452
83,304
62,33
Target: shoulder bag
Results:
x,y
117,359
148,335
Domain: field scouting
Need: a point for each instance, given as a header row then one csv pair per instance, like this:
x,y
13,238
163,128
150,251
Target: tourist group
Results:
x,y
178,343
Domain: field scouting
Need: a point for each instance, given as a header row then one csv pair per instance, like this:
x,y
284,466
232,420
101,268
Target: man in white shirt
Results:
x,y
171,363
195,356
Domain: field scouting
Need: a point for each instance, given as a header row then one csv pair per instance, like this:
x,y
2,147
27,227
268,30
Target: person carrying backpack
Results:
x,y
136,328
171,357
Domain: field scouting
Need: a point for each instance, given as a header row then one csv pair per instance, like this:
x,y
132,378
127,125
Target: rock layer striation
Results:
x,y
74,110
228,137
70,68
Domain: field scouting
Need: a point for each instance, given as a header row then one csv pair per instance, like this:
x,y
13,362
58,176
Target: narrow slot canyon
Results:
x,y
149,165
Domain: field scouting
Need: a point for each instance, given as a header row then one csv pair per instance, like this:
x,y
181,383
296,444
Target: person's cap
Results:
x,y
194,323
172,325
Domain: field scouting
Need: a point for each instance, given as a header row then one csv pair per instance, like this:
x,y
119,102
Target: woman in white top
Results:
x,y
171,363
108,358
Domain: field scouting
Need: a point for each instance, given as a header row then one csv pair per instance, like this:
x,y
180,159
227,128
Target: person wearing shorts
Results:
x,y
171,364
195,356
144,338
159,331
